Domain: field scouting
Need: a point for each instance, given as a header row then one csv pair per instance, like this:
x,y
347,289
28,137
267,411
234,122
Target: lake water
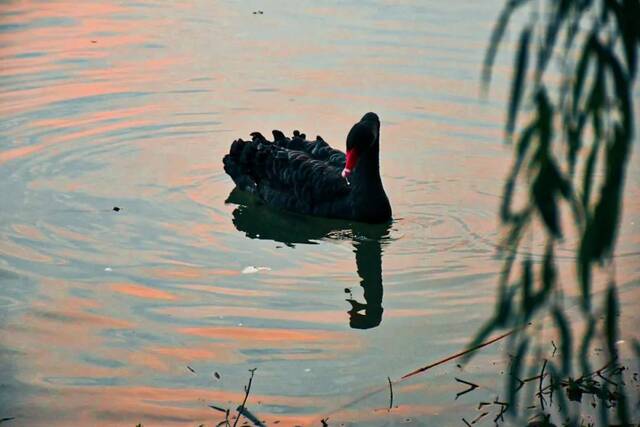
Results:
x,y
119,318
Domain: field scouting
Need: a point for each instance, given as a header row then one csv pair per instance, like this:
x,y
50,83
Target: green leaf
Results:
x,y
545,118
606,217
585,345
543,192
566,340
611,321
584,268
518,223
555,21
522,148
548,180
587,178
548,278
527,301
549,273
558,392
581,72
496,37
574,139
627,27
573,28
612,312
503,312
522,57
517,364
621,84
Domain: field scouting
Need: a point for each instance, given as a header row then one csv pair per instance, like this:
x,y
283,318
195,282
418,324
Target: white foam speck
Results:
x,y
252,269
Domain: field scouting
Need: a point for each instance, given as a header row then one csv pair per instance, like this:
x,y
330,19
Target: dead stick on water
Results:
x,y
479,417
455,356
542,400
247,389
472,387
390,393
377,390
247,414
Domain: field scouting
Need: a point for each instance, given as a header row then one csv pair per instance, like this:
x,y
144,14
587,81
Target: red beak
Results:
x,y
352,161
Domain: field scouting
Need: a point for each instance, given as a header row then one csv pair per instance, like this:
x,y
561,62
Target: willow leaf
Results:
x,y
517,87
496,38
566,339
514,375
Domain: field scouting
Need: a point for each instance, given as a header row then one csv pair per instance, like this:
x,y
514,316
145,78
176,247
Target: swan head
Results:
x,y
362,136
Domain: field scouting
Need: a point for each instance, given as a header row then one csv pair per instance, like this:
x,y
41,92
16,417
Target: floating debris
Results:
x,y
253,269
117,209
217,408
472,386
247,389
191,369
216,375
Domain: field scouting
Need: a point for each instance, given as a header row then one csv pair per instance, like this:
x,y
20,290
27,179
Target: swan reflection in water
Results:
x,y
260,222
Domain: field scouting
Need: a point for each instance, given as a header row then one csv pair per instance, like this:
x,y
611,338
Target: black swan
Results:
x,y
369,240
310,177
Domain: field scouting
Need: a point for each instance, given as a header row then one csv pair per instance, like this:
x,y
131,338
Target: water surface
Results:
x,y
116,318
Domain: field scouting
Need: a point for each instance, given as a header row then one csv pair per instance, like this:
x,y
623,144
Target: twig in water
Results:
x,y
224,422
503,409
379,389
599,373
521,383
472,387
554,348
466,422
324,422
248,415
462,353
479,417
540,396
247,389
390,393
481,404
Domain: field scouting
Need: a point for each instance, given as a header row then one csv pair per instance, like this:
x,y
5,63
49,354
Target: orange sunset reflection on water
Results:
x,y
119,317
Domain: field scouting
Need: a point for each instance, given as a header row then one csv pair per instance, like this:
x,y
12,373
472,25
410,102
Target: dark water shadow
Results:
x,y
261,222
